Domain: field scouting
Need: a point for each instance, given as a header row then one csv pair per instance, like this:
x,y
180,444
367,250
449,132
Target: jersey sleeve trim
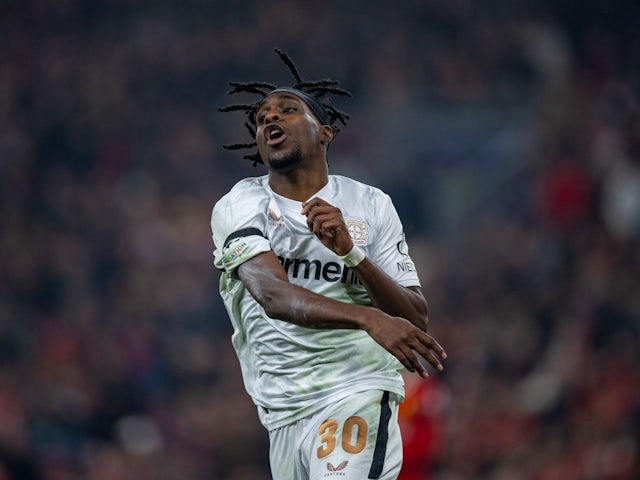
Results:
x,y
240,246
243,232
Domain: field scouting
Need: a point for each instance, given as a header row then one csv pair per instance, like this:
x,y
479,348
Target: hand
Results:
x,y
405,341
327,223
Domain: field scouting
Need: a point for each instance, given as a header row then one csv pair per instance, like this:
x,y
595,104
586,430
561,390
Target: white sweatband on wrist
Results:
x,y
354,257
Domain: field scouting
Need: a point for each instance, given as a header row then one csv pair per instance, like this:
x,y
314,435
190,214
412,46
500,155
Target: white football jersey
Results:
x,y
291,371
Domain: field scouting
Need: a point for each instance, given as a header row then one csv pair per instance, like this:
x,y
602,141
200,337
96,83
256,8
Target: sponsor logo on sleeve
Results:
x,y
406,265
403,248
235,250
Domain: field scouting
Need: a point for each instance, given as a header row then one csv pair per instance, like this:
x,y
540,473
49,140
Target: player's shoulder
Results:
x,y
247,198
358,189
247,189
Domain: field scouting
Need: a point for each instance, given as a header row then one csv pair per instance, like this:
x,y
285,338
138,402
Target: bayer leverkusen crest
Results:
x,y
358,231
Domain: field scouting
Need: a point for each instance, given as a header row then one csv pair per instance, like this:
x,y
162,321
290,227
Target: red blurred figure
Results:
x,y
421,425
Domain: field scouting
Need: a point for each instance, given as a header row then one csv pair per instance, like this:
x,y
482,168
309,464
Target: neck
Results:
x,y
301,183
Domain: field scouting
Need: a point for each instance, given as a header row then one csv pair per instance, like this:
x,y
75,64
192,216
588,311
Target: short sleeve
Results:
x,y
391,252
238,226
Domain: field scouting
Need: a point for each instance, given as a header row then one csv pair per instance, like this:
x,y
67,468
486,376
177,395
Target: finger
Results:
x,y
329,222
316,210
432,344
313,203
324,223
319,202
429,354
432,359
312,214
312,218
307,207
415,364
406,362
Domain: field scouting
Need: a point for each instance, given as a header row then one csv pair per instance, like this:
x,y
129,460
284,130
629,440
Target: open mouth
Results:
x,y
274,135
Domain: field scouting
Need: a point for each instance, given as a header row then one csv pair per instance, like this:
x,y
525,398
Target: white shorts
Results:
x,y
354,439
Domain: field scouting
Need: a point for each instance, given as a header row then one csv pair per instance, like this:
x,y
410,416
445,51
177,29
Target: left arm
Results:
x,y
391,297
327,223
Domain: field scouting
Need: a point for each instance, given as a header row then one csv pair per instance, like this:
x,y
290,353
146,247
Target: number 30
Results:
x,y
349,444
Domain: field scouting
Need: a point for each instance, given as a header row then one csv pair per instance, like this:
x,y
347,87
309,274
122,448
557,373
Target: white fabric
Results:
x,y
313,448
292,371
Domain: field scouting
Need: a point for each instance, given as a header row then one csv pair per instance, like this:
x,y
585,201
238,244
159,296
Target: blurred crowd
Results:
x,y
507,134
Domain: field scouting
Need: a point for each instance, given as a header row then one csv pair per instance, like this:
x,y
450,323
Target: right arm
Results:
x,y
267,282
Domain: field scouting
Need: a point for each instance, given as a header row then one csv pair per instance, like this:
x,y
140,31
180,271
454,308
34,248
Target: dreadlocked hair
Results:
x,y
318,89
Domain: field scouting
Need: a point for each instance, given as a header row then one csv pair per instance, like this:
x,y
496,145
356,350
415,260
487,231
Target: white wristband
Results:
x,y
354,257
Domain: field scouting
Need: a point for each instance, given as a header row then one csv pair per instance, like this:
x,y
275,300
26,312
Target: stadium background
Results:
x,y
507,132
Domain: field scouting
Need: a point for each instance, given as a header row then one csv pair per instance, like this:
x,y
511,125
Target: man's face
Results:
x,y
287,131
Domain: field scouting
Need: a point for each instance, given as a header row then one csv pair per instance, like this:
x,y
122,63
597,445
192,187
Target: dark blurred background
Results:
x,y
507,133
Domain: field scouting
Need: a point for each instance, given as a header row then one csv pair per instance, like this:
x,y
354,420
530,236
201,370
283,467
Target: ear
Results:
x,y
326,133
